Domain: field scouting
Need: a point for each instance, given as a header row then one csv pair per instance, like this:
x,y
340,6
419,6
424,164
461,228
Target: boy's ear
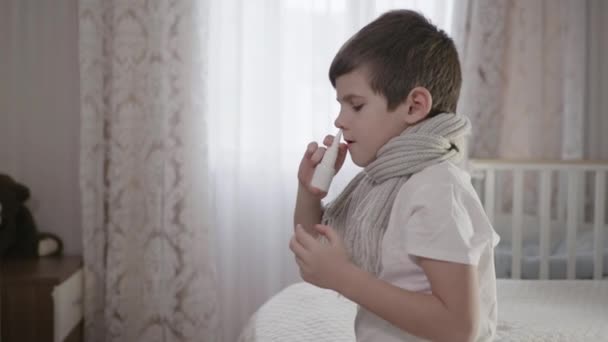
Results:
x,y
419,103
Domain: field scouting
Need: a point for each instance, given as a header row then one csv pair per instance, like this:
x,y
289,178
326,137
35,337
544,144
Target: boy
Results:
x,y
407,239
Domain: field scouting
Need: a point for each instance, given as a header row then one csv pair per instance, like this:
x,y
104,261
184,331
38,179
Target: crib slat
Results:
x,y
545,219
572,220
599,217
498,193
518,206
488,197
562,195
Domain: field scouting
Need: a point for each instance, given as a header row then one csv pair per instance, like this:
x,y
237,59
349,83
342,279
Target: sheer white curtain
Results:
x,y
270,96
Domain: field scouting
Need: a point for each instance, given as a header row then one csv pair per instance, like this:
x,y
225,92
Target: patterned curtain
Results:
x,y
149,273
525,72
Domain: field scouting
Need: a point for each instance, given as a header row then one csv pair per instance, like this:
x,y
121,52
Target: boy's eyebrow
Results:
x,y
349,97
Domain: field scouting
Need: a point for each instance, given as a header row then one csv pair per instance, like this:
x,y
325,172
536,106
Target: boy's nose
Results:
x,y
338,122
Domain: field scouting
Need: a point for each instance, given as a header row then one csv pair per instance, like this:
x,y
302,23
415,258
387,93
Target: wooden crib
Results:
x,y
568,194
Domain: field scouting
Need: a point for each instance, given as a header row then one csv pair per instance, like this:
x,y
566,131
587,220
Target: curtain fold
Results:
x,y
531,76
596,125
149,272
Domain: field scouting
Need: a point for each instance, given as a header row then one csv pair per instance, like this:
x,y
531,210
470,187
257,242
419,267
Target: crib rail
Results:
x,y
572,173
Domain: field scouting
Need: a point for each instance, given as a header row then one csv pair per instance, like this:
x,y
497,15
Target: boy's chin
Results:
x,y
360,162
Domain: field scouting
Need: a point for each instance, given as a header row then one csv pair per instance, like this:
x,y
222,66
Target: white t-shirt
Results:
x,y
436,214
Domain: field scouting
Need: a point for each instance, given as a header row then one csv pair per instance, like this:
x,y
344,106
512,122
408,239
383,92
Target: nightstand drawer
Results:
x,y
41,300
67,306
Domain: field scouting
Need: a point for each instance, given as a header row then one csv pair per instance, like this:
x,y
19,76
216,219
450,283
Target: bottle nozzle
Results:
x,y
337,139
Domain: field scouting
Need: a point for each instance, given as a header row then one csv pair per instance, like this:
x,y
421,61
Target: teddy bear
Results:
x,y
19,236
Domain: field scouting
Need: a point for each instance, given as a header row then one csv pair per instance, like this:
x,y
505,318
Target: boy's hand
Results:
x,y
312,157
321,264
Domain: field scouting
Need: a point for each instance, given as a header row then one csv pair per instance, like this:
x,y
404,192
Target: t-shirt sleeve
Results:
x,y
446,223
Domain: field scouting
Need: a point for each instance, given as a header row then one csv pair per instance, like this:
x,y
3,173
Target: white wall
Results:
x,y
39,105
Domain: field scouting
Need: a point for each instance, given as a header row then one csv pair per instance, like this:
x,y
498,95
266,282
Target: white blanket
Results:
x,y
529,310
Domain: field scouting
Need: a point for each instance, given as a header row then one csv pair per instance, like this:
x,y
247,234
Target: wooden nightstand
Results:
x,y
41,300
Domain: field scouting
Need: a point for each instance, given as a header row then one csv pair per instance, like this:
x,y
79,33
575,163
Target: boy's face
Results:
x,y
364,119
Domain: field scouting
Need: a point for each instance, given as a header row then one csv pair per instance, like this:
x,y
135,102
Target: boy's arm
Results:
x,y
308,202
308,211
449,313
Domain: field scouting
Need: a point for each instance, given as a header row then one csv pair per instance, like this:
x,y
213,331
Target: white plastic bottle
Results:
x,y
325,171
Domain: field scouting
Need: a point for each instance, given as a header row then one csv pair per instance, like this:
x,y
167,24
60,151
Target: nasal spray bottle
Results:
x,y
325,170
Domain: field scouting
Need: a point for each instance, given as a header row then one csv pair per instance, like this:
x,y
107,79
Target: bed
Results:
x,y
552,261
529,310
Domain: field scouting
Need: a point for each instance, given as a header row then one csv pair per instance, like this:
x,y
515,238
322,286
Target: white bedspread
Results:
x,y
529,310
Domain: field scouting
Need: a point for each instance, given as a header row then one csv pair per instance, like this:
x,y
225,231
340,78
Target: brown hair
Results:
x,y
403,50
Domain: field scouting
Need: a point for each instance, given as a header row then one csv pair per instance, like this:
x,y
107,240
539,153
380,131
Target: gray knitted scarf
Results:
x,y
360,214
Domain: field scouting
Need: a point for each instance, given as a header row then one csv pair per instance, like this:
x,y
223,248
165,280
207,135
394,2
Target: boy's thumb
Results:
x,y
342,151
327,231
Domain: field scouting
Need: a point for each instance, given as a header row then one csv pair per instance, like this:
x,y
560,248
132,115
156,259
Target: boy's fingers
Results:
x,y
328,232
304,239
318,155
310,149
329,139
342,151
321,228
297,248
300,262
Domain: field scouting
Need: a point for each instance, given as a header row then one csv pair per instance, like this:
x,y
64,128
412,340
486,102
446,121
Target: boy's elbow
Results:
x,y
465,331
465,336
462,330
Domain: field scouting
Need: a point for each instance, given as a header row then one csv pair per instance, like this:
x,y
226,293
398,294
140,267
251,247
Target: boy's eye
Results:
x,y
357,107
